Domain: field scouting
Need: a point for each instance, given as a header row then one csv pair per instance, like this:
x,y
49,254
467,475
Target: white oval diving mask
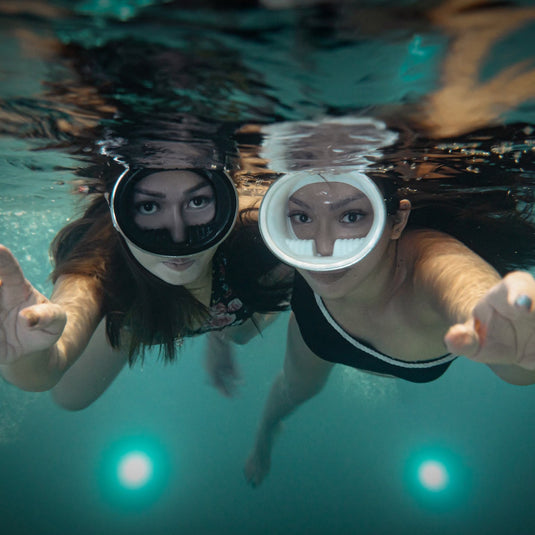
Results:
x,y
322,221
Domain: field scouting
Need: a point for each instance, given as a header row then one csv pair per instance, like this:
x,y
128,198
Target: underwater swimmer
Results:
x,y
152,266
398,301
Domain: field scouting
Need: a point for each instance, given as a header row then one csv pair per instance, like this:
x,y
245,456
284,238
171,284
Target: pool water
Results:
x,y
352,460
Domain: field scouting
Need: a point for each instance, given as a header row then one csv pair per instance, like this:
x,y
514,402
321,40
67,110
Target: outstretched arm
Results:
x,y
41,338
302,377
92,373
492,319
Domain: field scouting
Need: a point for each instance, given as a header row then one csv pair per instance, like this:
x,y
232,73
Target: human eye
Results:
x,y
352,217
299,217
200,201
146,207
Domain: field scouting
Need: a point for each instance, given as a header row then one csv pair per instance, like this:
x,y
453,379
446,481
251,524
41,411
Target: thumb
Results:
x,y
45,316
463,339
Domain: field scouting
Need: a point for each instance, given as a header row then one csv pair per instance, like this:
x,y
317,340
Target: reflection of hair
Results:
x,y
492,223
153,311
489,223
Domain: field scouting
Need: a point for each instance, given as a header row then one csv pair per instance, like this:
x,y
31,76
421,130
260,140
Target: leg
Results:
x,y
303,376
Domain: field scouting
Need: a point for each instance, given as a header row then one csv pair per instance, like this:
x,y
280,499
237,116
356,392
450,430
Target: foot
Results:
x,y
258,463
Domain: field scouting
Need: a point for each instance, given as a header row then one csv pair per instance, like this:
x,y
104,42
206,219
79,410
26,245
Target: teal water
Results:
x,y
347,462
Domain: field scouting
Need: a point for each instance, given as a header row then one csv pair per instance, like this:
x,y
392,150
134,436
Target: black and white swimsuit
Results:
x,y
330,342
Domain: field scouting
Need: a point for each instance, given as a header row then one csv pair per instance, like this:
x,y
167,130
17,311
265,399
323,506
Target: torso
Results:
x,y
401,322
225,307
381,350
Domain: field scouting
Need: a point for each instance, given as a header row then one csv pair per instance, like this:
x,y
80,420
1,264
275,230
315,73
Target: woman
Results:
x,y
153,259
382,297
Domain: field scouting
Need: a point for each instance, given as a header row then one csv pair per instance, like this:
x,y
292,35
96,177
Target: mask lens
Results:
x,y
177,212
322,221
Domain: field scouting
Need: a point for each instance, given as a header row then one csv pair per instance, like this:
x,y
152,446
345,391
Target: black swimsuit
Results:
x,y
330,342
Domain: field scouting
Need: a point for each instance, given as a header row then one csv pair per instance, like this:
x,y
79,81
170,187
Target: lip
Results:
x,y
179,264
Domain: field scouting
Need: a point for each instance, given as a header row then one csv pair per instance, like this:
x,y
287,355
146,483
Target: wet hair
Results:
x,y
490,208
151,311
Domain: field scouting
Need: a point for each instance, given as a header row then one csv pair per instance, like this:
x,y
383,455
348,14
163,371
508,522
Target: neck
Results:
x,y
201,288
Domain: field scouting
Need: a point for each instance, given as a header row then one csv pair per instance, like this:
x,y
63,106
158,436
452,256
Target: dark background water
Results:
x,y
347,462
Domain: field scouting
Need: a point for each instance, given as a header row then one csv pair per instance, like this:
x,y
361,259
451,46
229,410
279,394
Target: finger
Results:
x,y
514,295
46,317
463,339
10,271
524,301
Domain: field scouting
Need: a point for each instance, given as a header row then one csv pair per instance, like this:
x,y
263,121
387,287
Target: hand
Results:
x,y
502,329
219,364
29,322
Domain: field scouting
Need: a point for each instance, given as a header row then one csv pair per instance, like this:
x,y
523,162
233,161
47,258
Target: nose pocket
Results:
x,y
346,246
300,247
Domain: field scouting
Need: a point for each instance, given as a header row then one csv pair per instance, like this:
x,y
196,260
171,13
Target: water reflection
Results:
x,y
455,83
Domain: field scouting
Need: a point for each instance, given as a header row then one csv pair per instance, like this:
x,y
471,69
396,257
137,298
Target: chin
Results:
x,y
328,284
177,278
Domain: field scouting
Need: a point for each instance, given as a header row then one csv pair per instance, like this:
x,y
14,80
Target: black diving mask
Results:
x,y
174,212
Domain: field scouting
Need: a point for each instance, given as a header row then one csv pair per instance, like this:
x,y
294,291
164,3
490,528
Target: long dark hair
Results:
x,y
151,311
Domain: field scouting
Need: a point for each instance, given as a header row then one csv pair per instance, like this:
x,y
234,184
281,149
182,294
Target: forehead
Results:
x,y
327,192
172,180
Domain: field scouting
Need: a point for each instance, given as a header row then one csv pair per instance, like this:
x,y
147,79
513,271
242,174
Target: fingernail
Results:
x,y
524,301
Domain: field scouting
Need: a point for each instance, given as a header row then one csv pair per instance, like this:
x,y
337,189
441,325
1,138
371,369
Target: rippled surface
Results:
x,y
456,80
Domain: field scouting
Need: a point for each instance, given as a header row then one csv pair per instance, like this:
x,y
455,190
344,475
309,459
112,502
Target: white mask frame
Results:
x,y
278,236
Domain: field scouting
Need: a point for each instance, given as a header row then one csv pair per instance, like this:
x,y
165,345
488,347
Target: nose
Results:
x,y
175,225
324,240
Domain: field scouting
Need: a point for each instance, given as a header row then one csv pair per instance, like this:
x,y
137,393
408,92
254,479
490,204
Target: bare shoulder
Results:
x,y
431,251
425,243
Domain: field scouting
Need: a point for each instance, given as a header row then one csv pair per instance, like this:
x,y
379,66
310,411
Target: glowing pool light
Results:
x,y
135,470
433,475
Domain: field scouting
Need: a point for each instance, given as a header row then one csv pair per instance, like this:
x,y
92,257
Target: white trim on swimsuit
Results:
x,y
385,358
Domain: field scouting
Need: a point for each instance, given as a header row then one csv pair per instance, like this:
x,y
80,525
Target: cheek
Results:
x,y
147,260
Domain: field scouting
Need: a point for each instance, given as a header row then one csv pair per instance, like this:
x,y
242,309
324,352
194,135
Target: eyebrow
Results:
x,y
159,195
332,206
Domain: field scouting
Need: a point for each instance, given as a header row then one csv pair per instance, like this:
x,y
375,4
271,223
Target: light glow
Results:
x,y
433,475
135,470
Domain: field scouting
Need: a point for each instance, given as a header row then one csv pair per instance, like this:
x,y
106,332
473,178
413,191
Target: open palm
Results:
x,y
502,330
29,322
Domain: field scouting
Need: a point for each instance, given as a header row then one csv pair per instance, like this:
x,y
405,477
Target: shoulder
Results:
x,y
427,249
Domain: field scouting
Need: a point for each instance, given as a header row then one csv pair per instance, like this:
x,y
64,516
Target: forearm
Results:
x,y
453,276
81,298
92,373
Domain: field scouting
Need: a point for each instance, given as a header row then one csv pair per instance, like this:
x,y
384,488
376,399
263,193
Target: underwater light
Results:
x,y
433,475
437,476
135,470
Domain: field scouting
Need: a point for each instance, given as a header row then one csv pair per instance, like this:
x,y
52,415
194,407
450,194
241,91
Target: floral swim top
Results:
x,y
226,308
